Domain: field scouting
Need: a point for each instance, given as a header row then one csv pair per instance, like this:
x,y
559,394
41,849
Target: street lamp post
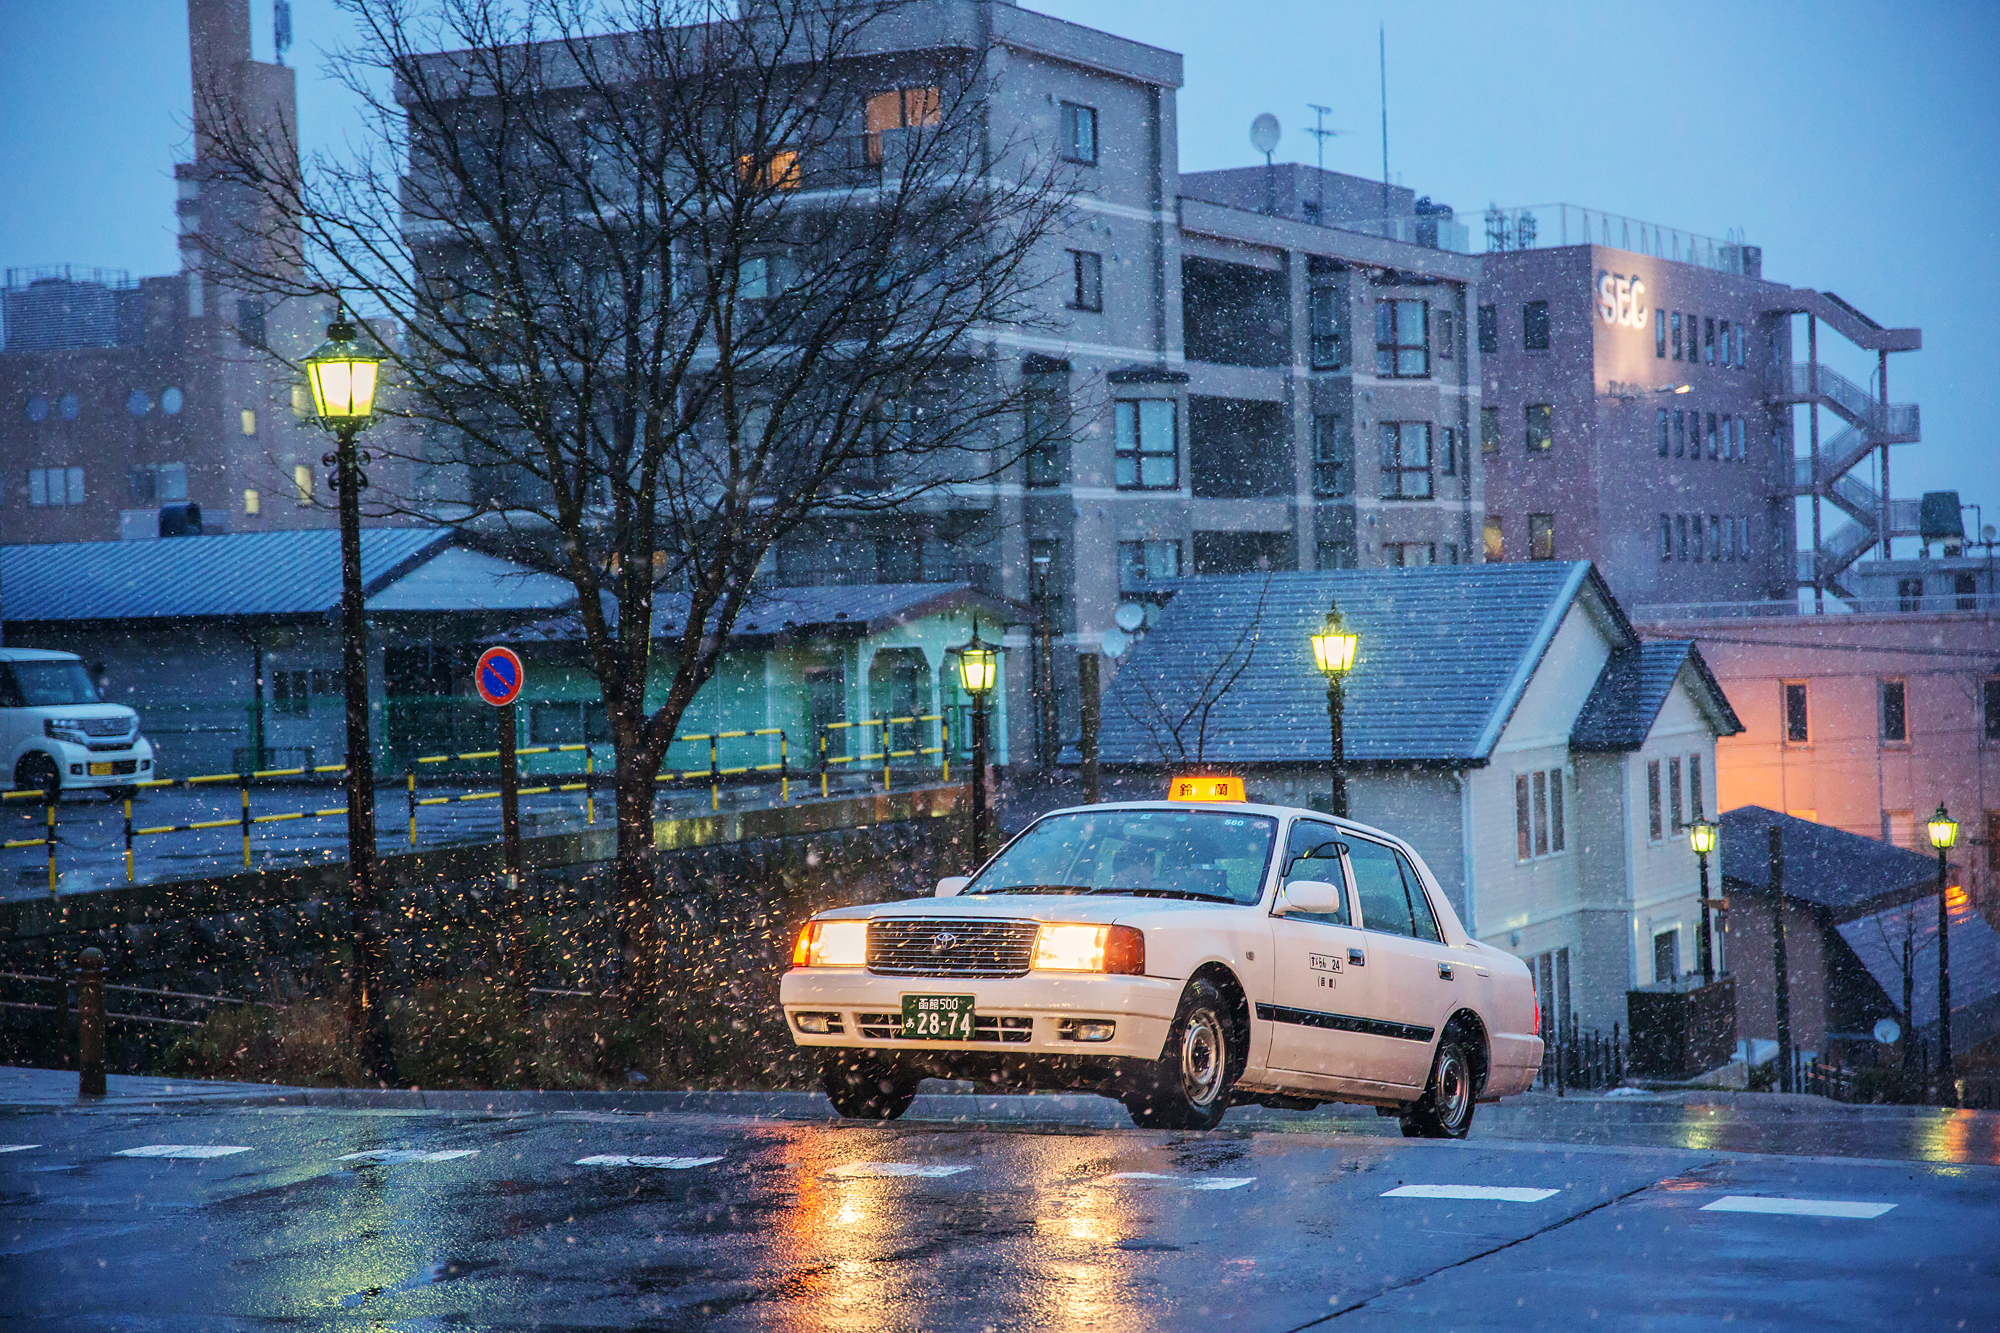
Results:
x,y
1333,653
341,372
978,673
1944,835
1701,837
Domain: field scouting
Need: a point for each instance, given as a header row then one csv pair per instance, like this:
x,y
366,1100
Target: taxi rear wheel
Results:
x,y
861,1088
1188,1088
1445,1109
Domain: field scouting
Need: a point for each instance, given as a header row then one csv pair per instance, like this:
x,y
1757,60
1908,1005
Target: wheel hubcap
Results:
x,y
1454,1089
1203,1057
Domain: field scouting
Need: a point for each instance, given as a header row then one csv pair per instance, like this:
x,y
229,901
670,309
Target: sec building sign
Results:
x,y
1621,300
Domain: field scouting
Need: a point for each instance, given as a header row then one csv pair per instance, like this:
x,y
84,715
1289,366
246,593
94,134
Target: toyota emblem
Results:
x,y
943,941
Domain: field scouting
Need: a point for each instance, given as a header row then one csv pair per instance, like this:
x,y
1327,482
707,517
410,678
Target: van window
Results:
x,y
45,684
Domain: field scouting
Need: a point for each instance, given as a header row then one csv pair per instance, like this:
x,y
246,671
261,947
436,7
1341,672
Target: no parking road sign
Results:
x,y
498,676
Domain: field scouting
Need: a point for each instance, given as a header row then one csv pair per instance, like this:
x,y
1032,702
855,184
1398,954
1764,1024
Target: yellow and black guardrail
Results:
x,y
887,740
587,786
715,773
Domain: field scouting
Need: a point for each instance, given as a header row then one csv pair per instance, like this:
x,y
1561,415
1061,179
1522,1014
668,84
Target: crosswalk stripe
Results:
x,y
18,1147
1492,1193
191,1152
657,1163
1184,1182
883,1170
397,1156
1760,1203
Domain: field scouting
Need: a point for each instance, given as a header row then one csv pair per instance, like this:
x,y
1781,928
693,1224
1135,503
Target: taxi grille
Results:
x,y
950,947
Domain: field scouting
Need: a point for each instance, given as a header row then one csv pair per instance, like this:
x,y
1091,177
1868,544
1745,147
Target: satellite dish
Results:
x,y
1130,616
1887,1030
1264,132
1116,643
1986,533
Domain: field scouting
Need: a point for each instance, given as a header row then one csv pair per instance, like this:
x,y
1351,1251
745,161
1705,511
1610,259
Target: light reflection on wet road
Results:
x,y
807,1225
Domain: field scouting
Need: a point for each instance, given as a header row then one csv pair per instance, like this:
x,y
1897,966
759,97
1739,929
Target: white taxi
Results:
x,y
1179,955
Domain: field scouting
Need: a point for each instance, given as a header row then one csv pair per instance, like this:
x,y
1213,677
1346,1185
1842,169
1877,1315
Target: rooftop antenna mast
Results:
x,y
281,27
1382,49
1320,132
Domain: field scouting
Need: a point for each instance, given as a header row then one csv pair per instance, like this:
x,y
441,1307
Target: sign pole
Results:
x,y
498,677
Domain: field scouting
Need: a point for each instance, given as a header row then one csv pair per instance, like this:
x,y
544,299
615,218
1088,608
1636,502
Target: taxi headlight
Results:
x,y
1120,949
832,944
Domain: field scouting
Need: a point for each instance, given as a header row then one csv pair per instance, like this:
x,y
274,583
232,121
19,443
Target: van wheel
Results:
x,y
38,772
1188,1088
862,1088
1445,1109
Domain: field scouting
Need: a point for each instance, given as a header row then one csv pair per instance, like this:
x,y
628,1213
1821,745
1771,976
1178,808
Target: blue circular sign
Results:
x,y
498,676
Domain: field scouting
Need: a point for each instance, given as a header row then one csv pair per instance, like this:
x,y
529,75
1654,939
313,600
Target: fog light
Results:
x,y
818,1025
145,763
76,770
1073,1029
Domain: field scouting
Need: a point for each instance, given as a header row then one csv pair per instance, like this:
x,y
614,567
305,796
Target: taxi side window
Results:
x,y
1420,906
1313,852
1378,883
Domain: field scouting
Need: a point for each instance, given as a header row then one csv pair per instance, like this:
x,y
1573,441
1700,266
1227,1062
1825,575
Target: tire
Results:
x,y
38,772
1445,1109
862,1088
1188,1088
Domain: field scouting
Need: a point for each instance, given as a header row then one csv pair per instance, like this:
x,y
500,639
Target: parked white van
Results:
x,y
57,734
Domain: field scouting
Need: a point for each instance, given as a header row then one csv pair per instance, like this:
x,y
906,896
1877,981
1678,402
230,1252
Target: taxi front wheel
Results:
x,y
1188,1088
1445,1109
860,1088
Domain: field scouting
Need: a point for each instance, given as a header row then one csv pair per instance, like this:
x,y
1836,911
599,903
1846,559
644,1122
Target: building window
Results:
x,y
1535,326
1680,433
1087,285
1993,708
1079,133
1895,720
1909,594
1406,460
1697,800
1328,312
1489,429
249,421
1448,451
1333,457
1667,955
1694,537
1659,333
1333,553
1538,813
1666,536
1444,335
253,503
302,483
1143,564
250,322
900,109
1489,328
290,695
1044,409
1711,436
1495,551
1409,555
1677,335
1797,728
1742,443
1148,444
1965,588
1674,804
1666,431
1722,336
1653,818
1541,536
1402,339
49,486
1541,419
1681,537
1708,340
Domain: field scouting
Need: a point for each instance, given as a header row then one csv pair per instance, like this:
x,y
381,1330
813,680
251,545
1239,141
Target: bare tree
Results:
x,y
671,278
1174,708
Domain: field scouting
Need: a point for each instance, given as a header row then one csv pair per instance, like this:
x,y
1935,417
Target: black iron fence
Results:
x,y
1576,1060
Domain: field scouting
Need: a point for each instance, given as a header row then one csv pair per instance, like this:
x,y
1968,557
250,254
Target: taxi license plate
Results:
x,y
100,770
937,1017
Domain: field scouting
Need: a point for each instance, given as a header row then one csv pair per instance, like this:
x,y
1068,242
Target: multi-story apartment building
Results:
x,y
1639,409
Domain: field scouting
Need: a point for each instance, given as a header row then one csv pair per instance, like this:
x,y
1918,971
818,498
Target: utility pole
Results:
x,y
1784,986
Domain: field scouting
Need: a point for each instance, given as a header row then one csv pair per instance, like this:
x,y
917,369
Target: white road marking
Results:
x,y
397,1156
1757,1203
18,1147
190,1152
1184,1182
878,1170
659,1163
1493,1193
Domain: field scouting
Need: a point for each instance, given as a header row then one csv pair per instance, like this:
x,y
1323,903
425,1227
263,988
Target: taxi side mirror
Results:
x,y
951,885
1311,895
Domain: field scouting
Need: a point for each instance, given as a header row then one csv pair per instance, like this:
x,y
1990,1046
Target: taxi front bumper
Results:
x,y
1041,1014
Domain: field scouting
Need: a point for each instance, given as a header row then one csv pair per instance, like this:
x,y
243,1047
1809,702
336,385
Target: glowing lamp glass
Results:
x,y
1701,837
1943,831
978,670
341,374
1333,648
832,944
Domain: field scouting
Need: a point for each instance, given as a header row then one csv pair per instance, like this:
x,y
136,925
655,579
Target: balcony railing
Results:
x,y
1542,226
1929,604
1431,231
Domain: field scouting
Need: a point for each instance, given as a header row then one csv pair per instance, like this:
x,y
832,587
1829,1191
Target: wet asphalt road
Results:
x,y
991,1222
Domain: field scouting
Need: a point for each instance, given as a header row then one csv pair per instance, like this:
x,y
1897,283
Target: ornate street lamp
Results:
x,y
1701,836
978,673
1333,653
341,374
1944,836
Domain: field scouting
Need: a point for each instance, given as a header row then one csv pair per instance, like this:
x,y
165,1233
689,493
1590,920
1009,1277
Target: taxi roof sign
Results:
x,y
1206,789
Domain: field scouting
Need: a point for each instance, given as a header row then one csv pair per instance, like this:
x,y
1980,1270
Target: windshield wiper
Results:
x,y
1040,888
1194,894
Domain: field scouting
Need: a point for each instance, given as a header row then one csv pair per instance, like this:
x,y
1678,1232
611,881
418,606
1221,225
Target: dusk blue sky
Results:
x,y
1857,143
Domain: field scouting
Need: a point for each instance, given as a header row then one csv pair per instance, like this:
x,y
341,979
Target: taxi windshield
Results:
x,y
1210,855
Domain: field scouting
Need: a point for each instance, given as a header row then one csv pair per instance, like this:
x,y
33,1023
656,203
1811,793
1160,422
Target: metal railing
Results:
x,y
887,741
715,772
1540,226
547,787
1856,403
1574,1060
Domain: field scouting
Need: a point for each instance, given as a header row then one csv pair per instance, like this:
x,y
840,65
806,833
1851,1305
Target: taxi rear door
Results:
x,y
1404,950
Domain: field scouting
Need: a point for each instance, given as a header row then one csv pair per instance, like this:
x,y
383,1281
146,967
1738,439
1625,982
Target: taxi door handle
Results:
x,y
1444,971
1358,958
